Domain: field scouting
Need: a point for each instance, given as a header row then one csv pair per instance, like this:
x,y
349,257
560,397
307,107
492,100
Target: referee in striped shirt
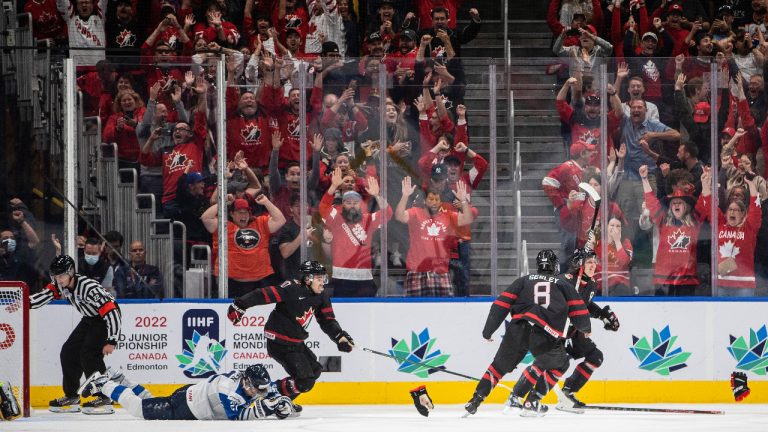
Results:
x,y
93,338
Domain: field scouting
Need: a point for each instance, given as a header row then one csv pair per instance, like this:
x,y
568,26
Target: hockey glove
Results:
x,y
9,405
344,341
610,320
281,407
235,313
739,386
422,400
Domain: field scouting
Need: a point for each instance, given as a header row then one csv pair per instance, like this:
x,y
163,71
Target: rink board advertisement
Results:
x,y
663,345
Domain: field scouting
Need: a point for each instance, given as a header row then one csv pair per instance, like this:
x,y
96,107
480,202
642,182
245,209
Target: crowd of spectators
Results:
x,y
658,152
147,70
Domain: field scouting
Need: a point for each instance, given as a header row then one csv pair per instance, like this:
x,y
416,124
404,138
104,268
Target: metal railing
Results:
x,y
162,251
127,186
107,184
203,264
144,215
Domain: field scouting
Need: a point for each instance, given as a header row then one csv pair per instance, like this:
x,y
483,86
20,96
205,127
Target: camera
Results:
x,y
750,176
166,131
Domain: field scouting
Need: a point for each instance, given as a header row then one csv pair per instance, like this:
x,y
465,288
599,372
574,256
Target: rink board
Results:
x,y
690,339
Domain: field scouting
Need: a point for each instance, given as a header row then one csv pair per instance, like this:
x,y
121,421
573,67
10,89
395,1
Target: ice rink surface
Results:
x,y
399,418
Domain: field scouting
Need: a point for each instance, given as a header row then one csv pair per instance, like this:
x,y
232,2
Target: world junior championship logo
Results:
x,y
751,357
660,356
420,358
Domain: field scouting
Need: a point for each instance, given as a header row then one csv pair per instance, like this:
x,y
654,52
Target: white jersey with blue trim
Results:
x,y
220,397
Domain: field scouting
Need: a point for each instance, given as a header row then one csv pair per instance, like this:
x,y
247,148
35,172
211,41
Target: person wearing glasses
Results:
x,y
145,281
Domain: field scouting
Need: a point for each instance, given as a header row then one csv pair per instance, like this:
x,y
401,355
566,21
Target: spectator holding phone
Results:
x,y
121,127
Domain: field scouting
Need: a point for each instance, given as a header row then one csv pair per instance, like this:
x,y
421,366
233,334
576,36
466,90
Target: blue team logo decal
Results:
x,y
421,358
751,357
202,353
660,356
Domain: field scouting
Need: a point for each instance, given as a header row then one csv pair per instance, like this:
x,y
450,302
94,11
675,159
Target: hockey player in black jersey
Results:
x,y
578,346
93,338
539,306
297,301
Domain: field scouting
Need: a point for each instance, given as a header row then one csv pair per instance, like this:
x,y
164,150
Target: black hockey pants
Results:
x,y
82,353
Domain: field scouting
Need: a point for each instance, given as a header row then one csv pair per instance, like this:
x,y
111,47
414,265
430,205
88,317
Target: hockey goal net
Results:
x,y
14,340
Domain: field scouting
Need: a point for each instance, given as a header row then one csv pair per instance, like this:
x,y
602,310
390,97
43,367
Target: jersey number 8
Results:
x,y
541,294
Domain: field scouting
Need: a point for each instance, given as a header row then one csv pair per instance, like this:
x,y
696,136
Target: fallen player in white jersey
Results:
x,y
246,395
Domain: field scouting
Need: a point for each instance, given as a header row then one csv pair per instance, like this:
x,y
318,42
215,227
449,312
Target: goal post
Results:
x,y
14,340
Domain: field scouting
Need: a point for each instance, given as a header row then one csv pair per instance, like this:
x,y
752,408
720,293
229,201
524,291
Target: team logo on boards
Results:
x,y
202,353
659,355
752,356
421,358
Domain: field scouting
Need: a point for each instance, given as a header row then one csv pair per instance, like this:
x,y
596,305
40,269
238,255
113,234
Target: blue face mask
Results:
x,y
10,245
91,259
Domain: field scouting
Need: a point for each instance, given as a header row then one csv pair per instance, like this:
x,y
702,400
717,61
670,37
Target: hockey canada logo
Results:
x,y
421,358
659,356
202,353
751,357
678,240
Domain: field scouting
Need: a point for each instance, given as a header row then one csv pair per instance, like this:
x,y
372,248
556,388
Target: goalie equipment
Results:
x,y
65,404
739,386
422,401
344,342
610,320
9,406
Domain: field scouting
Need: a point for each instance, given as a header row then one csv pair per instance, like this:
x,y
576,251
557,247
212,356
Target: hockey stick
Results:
x,y
653,410
439,369
586,187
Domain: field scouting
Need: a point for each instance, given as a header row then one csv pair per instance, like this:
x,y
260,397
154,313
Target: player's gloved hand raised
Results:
x,y
739,386
235,313
344,341
610,319
422,400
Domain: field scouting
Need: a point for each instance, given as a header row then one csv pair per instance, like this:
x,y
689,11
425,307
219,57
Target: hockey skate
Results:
x,y
473,404
567,402
533,408
99,406
513,403
65,404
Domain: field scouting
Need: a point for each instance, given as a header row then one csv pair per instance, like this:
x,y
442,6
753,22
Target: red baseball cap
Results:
x,y
580,146
241,204
701,112
675,8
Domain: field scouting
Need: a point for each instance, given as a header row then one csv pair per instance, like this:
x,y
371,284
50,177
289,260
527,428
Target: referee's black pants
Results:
x,y
82,353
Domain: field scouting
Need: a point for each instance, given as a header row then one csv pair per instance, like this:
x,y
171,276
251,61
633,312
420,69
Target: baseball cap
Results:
x,y
194,177
166,8
452,160
241,204
374,36
701,112
581,146
409,34
724,10
729,131
650,35
675,8
590,28
592,98
330,47
439,172
351,195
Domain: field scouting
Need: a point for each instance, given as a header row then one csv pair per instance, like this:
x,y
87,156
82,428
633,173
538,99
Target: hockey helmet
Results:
x,y
62,264
255,380
311,268
579,257
546,261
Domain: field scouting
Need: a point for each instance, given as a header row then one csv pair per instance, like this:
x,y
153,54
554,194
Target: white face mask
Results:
x,y
91,259
10,245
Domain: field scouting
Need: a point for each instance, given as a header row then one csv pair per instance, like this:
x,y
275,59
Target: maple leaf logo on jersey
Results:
x,y
126,38
678,240
250,132
729,250
651,71
433,230
589,137
293,128
172,42
306,318
176,161
359,232
293,22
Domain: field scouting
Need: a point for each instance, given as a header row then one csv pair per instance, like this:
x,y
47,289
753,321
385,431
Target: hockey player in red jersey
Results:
x,y
679,226
736,240
286,327
539,305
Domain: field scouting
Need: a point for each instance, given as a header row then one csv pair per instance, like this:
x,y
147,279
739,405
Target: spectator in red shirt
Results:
x,y
352,228
216,29
47,21
619,258
430,231
121,127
